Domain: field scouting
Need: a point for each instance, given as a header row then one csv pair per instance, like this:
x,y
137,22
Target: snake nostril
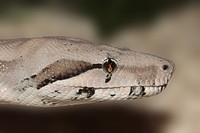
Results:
x,y
165,67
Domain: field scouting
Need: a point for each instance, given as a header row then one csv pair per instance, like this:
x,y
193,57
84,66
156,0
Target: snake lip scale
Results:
x,y
60,71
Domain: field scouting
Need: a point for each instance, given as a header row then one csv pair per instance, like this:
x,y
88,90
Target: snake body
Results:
x,y
60,71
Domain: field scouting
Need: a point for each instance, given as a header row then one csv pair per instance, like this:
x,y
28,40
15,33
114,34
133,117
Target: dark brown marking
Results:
x,y
142,91
53,103
112,95
143,88
131,90
56,91
62,69
79,92
108,77
33,76
89,90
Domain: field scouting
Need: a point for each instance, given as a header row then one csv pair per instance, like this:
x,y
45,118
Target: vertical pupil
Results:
x,y
109,66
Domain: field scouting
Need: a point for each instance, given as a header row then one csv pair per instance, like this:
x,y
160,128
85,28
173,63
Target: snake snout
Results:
x,y
170,68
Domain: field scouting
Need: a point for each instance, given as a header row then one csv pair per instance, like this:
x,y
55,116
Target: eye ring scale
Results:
x,y
109,65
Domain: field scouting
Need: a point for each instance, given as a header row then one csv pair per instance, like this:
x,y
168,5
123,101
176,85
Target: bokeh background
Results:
x,y
168,28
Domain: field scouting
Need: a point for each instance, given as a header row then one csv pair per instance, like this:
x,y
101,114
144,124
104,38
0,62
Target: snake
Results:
x,y
57,71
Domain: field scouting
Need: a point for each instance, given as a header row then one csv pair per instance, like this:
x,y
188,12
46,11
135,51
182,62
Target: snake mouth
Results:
x,y
153,90
145,91
130,92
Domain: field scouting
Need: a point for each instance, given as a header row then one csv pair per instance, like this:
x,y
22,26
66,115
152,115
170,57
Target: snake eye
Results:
x,y
109,65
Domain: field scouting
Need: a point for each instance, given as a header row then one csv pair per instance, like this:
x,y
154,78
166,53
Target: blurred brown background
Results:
x,y
168,28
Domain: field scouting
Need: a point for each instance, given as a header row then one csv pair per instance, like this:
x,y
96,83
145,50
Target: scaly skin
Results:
x,y
59,71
